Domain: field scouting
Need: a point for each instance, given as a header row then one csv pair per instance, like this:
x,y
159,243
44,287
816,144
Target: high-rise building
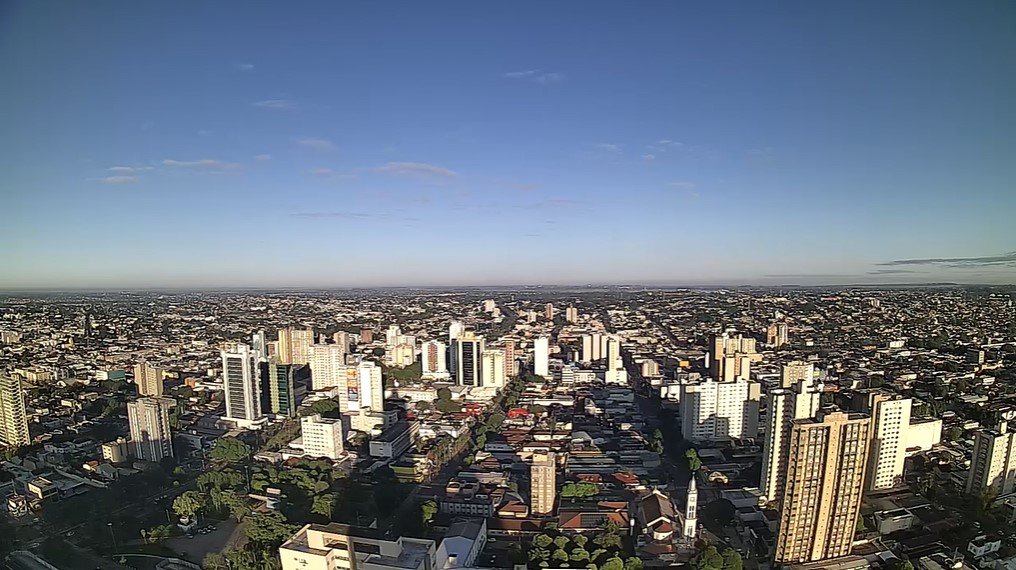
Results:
x,y
433,357
690,518
541,356
797,371
455,330
294,345
571,314
796,401
543,483
322,437
731,356
243,392
366,335
531,316
13,419
548,311
586,352
825,481
402,354
993,464
392,335
148,379
890,420
282,388
327,366
718,411
151,438
467,349
493,367
509,359
614,361
341,339
776,335
259,345
363,387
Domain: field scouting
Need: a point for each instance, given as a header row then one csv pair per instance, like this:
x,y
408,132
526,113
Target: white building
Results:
x,y
614,353
923,434
890,420
363,387
340,547
243,393
403,354
717,411
392,335
294,345
148,379
151,438
541,356
327,366
799,399
433,360
322,437
455,330
993,464
13,420
571,314
493,363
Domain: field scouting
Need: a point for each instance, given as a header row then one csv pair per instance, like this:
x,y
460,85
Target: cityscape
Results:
x,y
460,285
613,427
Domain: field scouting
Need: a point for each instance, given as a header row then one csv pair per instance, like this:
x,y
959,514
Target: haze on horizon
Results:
x,y
320,144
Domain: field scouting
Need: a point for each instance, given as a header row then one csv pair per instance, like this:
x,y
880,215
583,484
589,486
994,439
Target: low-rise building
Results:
x,y
336,546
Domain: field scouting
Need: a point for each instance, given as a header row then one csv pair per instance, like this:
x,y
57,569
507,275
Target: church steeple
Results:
x,y
691,511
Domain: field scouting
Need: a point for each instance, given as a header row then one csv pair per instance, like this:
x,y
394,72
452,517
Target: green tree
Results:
x,y
580,540
230,449
268,529
427,511
596,554
327,408
324,504
731,560
560,556
214,561
694,463
953,433
579,554
613,563
543,540
189,503
708,559
561,542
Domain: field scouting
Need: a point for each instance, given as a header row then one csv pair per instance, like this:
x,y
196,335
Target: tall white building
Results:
x,y
799,399
493,363
392,335
890,420
148,379
571,314
717,411
433,359
993,464
455,330
327,365
151,438
541,356
322,437
363,387
243,391
402,354
690,518
13,419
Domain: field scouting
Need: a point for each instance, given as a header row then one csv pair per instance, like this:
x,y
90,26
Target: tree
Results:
x,y
953,433
580,540
230,449
579,554
732,560
214,561
268,529
561,542
322,407
596,554
427,511
860,524
694,463
324,505
424,406
708,559
189,503
444,394
543,540
613,563
560,556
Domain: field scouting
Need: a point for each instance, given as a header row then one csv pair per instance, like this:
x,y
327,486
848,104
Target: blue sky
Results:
x,y
424,143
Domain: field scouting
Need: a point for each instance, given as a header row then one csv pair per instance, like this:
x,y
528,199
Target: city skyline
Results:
x,y
343,145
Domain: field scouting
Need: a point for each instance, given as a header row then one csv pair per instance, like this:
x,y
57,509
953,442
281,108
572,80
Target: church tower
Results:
x,y
690,530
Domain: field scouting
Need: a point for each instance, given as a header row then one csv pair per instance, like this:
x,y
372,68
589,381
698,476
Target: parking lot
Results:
x,y
195,549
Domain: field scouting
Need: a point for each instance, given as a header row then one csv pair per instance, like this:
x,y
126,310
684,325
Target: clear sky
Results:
x,y
173,144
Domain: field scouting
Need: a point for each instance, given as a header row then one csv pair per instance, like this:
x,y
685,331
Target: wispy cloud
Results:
x,y
958,262
263,157
893,272
203,164
663,146
555,203
121,179
321,171
317,144
682,185
128,169
336,215
416,169
609,147
275,104
648,157
534,75
245,66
